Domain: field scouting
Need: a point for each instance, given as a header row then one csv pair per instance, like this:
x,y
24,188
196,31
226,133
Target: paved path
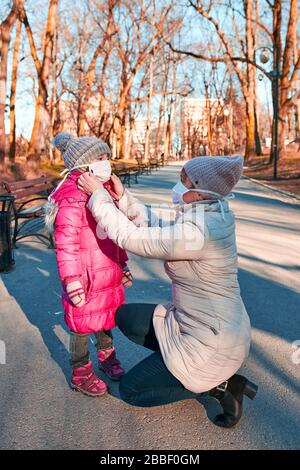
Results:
x,y
38,410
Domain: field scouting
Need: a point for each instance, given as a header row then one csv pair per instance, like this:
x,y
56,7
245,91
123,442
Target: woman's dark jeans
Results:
x,y
149,383
79,350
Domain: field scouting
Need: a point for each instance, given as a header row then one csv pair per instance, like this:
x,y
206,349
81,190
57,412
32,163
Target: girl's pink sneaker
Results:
x,y
84,380
110,364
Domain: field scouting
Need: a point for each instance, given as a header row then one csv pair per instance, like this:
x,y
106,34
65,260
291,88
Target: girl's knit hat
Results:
x,y
79,151
217,174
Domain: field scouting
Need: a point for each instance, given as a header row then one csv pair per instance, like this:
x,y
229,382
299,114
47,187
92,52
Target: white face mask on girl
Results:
x,y
179,190
101,169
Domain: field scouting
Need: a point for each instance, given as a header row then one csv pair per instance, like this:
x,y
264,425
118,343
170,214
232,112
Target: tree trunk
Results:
x,y
172,112
148,122
118,125
161,134
123,134
281,138
102,100
15,63
37,135
118,134
250,150
37,140
54,101
126,136
277,20
158,134
209,122
287,61
5,29
258,149
82,106
167,135
81,128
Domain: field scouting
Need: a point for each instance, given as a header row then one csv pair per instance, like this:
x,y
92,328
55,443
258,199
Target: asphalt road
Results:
x,y
37,408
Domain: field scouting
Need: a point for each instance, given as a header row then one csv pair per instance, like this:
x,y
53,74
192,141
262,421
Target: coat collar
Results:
x,y
213,206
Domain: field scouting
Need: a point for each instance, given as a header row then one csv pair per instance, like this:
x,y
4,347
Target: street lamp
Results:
x,y
274,77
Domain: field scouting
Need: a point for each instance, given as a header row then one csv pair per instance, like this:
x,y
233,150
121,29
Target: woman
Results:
x,y
203,337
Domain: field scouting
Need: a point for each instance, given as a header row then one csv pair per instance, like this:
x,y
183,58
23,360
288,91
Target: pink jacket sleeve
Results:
x,y
68,225
122,257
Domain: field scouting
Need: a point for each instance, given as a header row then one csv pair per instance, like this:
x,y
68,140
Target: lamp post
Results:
x,y
274,77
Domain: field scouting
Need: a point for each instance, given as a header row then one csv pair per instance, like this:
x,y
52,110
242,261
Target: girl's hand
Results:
x,y
115,187
89,183
76,293
127,278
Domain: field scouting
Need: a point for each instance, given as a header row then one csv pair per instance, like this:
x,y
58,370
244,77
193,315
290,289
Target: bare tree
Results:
x,y
5,30
246,77
89,79
41,120
288,62
134,51
14,75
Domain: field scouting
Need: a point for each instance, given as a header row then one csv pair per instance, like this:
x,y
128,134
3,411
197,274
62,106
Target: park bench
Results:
x,y
143,167
125,173
29,216
154,163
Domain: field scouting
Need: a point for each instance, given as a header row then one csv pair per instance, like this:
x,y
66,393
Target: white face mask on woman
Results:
x,y
101,169
179,190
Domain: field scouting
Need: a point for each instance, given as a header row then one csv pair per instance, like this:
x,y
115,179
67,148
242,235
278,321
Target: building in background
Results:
x,y
205,127
138,137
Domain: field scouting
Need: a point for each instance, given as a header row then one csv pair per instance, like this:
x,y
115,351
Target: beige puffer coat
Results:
x,y
205,334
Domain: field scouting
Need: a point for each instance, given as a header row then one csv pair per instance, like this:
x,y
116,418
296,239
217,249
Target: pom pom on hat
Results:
x,y
62,140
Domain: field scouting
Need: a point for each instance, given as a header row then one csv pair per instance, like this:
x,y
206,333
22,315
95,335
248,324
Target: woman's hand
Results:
x,y
89,183
115,187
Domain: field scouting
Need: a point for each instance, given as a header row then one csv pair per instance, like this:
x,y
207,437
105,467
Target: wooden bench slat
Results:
x,y
17,185
28,192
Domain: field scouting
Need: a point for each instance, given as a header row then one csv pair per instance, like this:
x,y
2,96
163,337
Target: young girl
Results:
x,y
93,270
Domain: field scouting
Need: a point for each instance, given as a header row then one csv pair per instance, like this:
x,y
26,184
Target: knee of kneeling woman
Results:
x,y
127,393
121,317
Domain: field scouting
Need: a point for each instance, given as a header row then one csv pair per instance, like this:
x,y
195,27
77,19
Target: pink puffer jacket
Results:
x,y
81,255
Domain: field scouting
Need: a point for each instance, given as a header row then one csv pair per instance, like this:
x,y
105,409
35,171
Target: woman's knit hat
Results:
x,y
218,174
81,150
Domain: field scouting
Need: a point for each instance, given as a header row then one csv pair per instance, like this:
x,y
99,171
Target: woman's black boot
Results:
x,y
230,394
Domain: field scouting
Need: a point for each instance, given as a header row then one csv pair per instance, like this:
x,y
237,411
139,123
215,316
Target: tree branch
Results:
x,y
33,50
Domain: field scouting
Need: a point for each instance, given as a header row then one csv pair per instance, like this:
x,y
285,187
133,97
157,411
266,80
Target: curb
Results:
x,y
275,190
